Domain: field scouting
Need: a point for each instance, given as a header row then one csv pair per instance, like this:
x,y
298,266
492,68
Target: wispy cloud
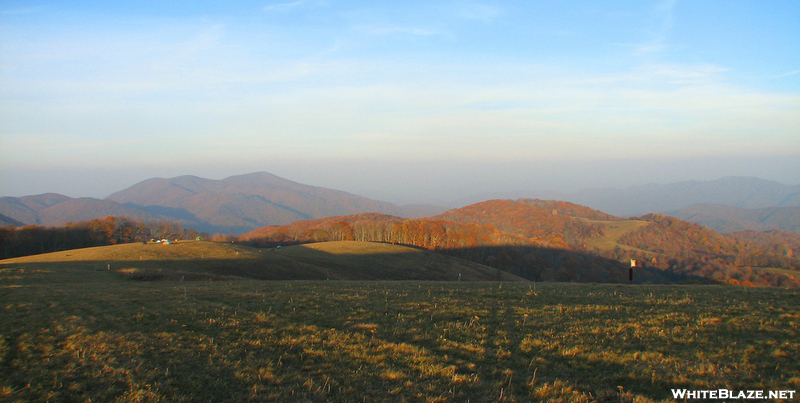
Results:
x,y
682,74
198,82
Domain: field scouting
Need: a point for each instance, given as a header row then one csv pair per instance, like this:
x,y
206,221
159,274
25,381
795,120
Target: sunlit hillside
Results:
x,y
196,260
558,241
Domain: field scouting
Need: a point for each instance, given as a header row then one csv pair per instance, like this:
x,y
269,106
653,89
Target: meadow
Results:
x,y
80,332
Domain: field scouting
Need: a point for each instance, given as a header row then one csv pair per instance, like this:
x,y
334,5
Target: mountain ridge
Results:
x,y
247,201
736,191
728,219
235,204
240,203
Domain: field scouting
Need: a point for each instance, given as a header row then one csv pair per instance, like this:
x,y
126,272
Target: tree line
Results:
x,y
35,239
534,259
671,250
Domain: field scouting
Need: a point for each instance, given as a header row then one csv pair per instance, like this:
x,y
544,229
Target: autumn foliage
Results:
x,y
684,247
424,233
34,239
547,222
556,241
537,239
535,259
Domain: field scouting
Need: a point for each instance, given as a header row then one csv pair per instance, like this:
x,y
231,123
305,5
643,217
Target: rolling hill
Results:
x,y
533,253
244,202
234,205
9,222
545,240
52,210
201,260
726,219
665,244
736,191
26,209
546,221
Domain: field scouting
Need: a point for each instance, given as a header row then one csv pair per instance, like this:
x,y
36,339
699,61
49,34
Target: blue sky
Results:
x,y
406,101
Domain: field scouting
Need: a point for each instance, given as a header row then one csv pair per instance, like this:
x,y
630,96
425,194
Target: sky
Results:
x,y
409,102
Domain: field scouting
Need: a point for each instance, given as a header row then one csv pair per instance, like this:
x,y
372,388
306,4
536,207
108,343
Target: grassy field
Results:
x,y
613,231
193,260
79,332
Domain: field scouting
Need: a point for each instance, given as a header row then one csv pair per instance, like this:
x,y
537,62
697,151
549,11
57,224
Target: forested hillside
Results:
x,y
560,241
425,233
769,248
534,259
689,248
548,222
536,239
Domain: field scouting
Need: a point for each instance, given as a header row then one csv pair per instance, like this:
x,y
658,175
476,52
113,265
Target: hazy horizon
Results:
x,y
419,102
439,188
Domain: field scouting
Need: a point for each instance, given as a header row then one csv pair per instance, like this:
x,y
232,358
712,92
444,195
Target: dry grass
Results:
x,y
322,261
183,250
76,331
79,333
613,231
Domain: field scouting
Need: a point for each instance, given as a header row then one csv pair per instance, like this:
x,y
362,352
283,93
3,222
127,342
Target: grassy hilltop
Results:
x,y
75,331
201,260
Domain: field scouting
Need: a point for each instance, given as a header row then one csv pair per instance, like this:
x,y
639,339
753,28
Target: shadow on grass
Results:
x,y
305,262
383,341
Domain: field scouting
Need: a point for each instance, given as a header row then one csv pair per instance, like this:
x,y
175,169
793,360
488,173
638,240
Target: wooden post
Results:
x,y
630,271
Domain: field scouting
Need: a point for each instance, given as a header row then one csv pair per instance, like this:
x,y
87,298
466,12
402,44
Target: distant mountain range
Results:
x,y
233,205
727,219
735,191
727,205
241,203
541,240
